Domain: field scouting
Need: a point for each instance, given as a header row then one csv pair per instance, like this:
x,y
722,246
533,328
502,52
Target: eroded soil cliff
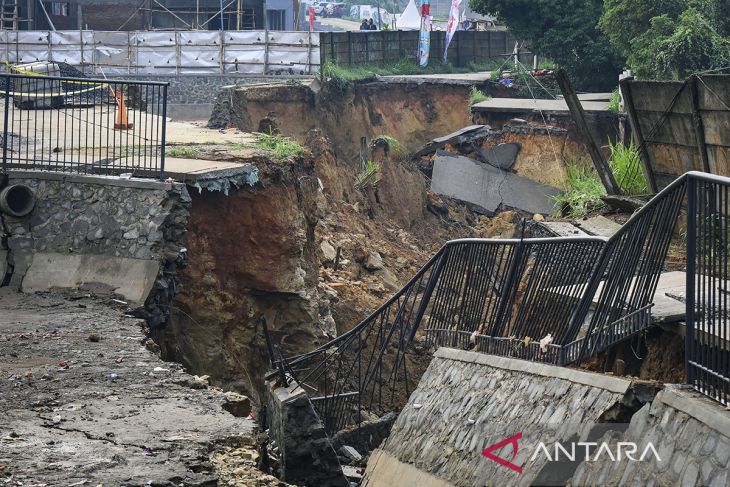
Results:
x,y
308,251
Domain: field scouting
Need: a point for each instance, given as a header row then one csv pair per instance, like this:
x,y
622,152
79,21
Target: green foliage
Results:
x,y
477,96
282,148
624,20
397,149
335,76
583,193
626,168
614,104
369,176
676,49
584,187
564,31
669,39
182,151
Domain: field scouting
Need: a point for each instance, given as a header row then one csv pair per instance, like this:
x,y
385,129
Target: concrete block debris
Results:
x,y
351,453
467,134
489,187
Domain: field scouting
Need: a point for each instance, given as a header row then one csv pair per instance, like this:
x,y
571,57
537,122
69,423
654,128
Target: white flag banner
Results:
x,y
453,24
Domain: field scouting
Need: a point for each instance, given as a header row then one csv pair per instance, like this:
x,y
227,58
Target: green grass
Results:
x,y
477,96
182,151
583,194
369,175
282,148
626,167
397,149
585,188
614,104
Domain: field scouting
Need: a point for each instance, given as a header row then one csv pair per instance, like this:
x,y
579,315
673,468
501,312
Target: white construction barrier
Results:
x,y
166,52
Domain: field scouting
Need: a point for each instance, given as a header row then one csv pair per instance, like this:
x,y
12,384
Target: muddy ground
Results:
x,y
85,400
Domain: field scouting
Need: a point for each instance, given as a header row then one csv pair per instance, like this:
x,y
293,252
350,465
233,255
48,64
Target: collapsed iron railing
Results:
x,y
556,300
707,322
83,125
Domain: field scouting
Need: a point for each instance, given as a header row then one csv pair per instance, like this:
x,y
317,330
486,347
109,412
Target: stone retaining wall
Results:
x,y
124,233
192,96
467,401
692,435
191,89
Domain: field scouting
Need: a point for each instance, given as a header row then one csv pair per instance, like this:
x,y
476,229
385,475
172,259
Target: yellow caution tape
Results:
x,y
28,94
42,75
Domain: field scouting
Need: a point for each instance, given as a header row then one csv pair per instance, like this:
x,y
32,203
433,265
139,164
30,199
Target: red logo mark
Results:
x,y
487,452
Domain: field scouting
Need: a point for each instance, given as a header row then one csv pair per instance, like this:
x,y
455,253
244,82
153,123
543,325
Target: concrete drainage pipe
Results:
x,y
17,200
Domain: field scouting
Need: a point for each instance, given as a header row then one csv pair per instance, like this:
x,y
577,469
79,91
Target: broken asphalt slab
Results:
x,y
468,134
85,401
489,187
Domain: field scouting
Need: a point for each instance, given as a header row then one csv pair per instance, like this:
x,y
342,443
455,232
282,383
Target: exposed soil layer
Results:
x,y
297,251
656,355
413,113
86,400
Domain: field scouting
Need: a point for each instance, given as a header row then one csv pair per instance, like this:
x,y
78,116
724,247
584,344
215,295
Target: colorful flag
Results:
x,y
424,45
311,19
453,24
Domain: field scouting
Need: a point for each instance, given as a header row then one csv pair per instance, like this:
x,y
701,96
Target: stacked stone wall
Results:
x,y
110,217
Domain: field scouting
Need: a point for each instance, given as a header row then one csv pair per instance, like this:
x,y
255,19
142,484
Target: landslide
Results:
x,y
307,251
411,112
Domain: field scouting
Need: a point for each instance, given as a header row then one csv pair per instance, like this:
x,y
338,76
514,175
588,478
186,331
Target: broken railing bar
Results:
x,y
325,398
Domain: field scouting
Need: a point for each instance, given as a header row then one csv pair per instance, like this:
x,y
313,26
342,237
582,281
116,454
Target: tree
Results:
x,y
668,38
564,31
624,20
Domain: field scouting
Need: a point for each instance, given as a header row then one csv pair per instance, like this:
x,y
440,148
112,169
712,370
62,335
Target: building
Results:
x,y
148,14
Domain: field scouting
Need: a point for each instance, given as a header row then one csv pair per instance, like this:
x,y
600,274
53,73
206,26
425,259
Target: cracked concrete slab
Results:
x,y
85,400
487,186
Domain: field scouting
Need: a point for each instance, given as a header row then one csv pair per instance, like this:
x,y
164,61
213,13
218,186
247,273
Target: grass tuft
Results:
x,y
585,188
182,151
477,96
282,148
397,149
626,167
614,104
583,194
369,176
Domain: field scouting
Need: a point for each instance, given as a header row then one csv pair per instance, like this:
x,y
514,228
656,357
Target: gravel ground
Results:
x,y
86,401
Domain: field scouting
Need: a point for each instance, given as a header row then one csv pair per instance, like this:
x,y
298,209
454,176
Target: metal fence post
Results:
x,y
164,131
6,97
690,276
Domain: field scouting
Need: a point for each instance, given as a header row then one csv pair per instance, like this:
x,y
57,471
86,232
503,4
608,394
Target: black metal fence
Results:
x,y
708,325
83,125
377,47
555,300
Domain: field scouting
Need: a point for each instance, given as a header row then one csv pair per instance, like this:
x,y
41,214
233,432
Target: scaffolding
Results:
x,y
10,18
229,15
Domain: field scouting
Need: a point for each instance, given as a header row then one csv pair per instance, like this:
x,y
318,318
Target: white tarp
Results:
x,y
410,19
166,52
